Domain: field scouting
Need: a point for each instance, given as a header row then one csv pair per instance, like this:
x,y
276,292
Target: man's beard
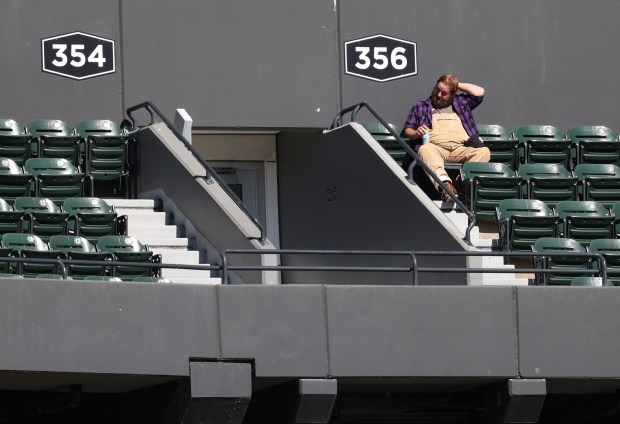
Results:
x,y
440,103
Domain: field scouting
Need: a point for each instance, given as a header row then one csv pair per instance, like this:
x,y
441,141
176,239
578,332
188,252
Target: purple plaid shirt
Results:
x,y
463,104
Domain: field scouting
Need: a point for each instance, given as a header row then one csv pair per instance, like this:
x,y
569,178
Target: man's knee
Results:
x,y
483,154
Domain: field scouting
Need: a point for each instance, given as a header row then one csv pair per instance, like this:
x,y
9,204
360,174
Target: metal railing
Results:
x,y
414,268
412,257
210,173
355,109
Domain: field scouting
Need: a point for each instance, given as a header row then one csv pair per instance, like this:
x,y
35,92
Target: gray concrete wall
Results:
x,y
276,63
336,192
116,336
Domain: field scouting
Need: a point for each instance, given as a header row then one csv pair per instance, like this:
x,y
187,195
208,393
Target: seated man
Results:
x,y
447,117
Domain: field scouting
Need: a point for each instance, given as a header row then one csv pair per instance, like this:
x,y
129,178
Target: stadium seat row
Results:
x,y
484,185
108,253
99,146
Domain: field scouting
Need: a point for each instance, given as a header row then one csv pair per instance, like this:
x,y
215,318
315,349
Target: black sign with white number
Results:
x,y
78,55
380,58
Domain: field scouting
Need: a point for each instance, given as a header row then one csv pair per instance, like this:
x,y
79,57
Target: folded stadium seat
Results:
x,y
584,221
501,143
521,222
79,248
559,245
105,152
10,219
56,179
599,183
129,249
548,182
610,249
387,140
52,138
485,185
92,218
31,246
589,282
14,142
13,181
595,144
42,217
543,144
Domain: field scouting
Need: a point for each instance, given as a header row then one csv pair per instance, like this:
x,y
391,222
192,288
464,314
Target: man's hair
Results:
x,y
450,81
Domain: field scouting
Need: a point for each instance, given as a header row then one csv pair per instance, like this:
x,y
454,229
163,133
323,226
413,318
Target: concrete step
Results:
x,y
142,232
145,219
178,256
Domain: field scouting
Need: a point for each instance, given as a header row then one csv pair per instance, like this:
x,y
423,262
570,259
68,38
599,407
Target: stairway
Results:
x,y
149,226
484,238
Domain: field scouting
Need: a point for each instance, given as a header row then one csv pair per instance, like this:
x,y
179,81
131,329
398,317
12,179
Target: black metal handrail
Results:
x,y
413,268
602,270
354,110
210,173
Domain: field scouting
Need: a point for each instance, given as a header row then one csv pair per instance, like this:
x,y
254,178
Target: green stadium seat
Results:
x,y
129,249
91,217
106,152
42,217
546,245
543,144
10,219
485,185
56,179
521,222
14,142
79,248
501,143
599,183
548,182
610,249
13,181
585,221
31,246
53,138
387,140
595,144
103,278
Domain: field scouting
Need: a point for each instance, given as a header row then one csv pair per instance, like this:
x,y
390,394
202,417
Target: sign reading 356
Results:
x,y
78,55
380,58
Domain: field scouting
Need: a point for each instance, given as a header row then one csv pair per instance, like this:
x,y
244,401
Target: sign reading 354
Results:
x,y
78,55
380,58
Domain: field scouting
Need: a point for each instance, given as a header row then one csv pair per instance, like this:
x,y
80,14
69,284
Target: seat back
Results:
x,y
540,132
56,179
546,245
493,131
9,167
485,185
92,218
501,143
14,142
126,248
595,144
42,217
543,144
585,221
53,127
548,182
522,221
79,248
599,183
53,138
98,127
610,249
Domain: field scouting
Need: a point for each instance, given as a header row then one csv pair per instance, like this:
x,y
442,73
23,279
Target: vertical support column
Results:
x,y
316,401
219,393
517,401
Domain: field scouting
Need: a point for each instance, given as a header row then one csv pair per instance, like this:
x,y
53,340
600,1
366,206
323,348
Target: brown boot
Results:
x,y
445,196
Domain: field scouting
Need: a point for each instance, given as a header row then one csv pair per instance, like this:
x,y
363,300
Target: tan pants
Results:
x,y
446,145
